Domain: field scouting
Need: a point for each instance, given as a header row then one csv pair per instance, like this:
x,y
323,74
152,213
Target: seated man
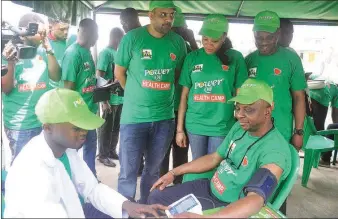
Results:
x,y
251,161
49,180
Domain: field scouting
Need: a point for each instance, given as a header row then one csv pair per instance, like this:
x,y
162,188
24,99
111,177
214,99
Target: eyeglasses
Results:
x,y
228,159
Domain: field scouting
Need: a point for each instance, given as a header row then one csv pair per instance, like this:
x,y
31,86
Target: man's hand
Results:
x,y
162,182
106,107
189,215
44,40
135,210
297,141
9,52
181,139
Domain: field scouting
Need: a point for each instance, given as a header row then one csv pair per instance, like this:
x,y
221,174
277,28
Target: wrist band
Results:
x,y
172,172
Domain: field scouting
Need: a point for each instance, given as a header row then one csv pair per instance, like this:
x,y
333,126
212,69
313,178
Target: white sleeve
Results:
x,y
99,195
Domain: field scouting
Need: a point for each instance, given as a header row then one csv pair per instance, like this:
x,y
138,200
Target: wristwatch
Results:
x,y
299,132
50,52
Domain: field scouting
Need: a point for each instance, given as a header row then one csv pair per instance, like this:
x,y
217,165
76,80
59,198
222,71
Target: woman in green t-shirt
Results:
x,y
210,76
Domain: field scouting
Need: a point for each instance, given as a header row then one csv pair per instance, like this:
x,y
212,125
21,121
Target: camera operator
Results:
x,y
24,83
109,131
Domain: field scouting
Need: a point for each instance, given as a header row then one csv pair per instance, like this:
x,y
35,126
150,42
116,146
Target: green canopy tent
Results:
x,y
306,12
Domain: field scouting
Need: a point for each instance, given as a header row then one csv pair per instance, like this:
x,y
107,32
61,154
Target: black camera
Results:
x,y
104,92
12,34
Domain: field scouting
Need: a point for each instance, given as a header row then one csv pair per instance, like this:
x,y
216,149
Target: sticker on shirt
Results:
x,y
156,85
32,87
197,68
277,71
157,74
220,187
225,67
86,66
209,98
173,56
147,54
252,72
245,161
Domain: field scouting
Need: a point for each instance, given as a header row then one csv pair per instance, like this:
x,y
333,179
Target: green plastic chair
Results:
x,y
314,144
283,190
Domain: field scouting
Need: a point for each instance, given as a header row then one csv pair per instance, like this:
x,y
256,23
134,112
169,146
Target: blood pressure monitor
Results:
x,y
188,203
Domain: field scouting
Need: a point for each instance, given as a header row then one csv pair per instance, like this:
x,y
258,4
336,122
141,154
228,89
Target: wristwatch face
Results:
x,y
299,131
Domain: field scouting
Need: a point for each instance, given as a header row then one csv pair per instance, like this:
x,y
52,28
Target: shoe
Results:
x,y
324,163
107,162
114,156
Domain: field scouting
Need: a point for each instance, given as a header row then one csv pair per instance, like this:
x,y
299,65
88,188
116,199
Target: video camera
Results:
x,y
12,34
104,92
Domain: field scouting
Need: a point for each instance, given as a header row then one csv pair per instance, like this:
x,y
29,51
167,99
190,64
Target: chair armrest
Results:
x,y
328,132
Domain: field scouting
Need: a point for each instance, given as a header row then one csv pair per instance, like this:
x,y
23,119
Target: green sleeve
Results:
x,y
103,61
124,52
298,81
185,77
222,150
70,66
183,49
241,71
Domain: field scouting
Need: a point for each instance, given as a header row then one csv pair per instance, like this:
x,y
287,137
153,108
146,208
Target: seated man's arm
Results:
x,y
29,194
252,203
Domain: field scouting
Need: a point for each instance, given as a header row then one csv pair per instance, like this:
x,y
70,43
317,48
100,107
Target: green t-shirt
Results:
x,y
59,47
284,71
178,88
326,95
31,81
230,177
65,161
70,40
105,63
151,64
78,67
211,85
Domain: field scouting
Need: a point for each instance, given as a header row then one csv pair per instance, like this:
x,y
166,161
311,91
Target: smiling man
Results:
x,y
153,56
250,164
282,69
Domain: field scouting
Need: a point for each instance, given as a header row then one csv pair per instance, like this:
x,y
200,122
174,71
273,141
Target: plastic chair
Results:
x,y
283,190
315,143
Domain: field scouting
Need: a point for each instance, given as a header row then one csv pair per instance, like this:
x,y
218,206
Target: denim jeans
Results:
x,y
89,150
19,138
202,145
91,212
200,188
152,139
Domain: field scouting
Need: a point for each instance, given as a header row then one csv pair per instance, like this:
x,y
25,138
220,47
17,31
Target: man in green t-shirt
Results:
x,y
109,131
153,56
24,83
78,73
282,69
253,153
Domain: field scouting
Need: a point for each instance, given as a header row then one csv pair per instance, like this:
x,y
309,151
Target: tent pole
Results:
x,y
239,8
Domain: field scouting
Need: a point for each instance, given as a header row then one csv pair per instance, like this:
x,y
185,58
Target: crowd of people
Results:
x,y
238,115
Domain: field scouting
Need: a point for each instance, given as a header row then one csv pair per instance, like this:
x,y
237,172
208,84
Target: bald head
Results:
x,y
286,36
30,18
87,32
129,19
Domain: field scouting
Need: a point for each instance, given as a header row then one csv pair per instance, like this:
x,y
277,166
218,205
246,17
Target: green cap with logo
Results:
x,y
253,90
62,105
214,26
267,21
161,4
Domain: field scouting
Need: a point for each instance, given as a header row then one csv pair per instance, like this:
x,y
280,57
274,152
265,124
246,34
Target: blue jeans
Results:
x,y
200,189
202,145
152,139
89,150
19,138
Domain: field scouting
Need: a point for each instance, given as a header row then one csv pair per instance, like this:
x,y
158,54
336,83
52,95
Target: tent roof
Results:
x,y
305,10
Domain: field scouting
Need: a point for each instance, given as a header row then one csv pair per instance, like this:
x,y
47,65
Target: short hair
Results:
x,y
129,12
114,31
30,18
87,23
53,21
285,23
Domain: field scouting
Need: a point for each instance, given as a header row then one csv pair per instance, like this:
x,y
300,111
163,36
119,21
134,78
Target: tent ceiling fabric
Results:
x,y
313,10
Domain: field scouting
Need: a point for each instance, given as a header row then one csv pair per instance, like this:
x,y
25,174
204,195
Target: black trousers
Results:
x,y
180,156
109,132
326,156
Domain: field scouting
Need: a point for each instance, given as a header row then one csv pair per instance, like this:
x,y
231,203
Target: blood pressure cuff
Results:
x,y
263,183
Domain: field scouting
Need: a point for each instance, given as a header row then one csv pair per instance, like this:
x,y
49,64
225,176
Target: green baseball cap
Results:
x,y
62,105
214,26
161,4
267,21
253,90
